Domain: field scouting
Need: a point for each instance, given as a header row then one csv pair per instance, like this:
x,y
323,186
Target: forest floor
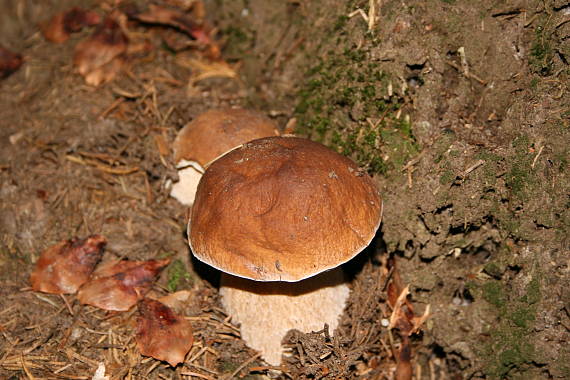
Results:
x,y
460,110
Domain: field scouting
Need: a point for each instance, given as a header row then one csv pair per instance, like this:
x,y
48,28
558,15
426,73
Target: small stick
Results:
x,y
468,75
244,364
473,167
536,158
266,368
196,374
371,14
67,304
410,179
28,373
110,109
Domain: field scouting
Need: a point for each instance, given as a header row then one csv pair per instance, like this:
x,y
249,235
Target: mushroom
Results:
x,y
207,137
278,216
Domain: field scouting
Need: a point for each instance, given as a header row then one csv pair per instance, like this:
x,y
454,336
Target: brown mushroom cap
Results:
x,y
215,132
282,209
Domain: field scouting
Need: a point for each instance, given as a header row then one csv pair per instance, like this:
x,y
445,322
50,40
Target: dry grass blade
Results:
x,y
101,166
205,70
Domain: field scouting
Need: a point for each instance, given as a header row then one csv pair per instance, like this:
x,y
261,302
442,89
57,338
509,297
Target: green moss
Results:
x,y
541,52
346,104
494,269
177,276
509,349
522,316
490,167
520,178
447,177
340,23
534,83
532,295
493,293
517,178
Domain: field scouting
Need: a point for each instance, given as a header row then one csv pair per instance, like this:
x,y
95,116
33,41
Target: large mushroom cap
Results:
x,y
282,209
215,132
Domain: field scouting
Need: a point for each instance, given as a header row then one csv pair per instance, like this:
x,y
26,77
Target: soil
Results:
x,y
460,110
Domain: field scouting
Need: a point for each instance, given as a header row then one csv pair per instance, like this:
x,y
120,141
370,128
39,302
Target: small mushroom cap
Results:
x,y
282,209
217,131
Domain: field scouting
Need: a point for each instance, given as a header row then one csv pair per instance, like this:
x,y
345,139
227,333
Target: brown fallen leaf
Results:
x,y
120,285
9,62
177,300
189,24
404,320
64,267
59,27
161,333
100,57
205,70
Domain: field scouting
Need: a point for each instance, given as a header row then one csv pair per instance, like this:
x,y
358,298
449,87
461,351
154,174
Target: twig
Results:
x,y
103,167
196,374
371,14
537,155
110,109
243,365
26,370
67,304
468,75
472,167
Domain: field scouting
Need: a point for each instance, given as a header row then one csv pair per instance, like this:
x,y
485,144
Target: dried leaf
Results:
x,y
205,70
186,23
161,333
177,300
64,267
404,365
59,28
399,318
403,319
120,285
9,62
106,72
100,57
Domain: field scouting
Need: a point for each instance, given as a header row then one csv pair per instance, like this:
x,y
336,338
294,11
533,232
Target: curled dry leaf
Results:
x,y
9,62
177,300
205,70
100,57
59,28
161,333
184,22
64,267
404,320
120,285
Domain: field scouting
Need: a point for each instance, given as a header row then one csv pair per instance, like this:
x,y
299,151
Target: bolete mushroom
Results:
x,y
207,137
277,216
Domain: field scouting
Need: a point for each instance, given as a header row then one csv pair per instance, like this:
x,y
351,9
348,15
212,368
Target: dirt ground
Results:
x,y
460,110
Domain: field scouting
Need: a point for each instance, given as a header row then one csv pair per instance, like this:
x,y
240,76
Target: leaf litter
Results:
x,y
64,267
59,28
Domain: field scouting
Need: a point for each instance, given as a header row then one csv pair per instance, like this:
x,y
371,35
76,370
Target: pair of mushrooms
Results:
x,y
277,216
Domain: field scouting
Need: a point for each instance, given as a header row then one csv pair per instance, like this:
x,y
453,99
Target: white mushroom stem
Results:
x,y
189,174
266,311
